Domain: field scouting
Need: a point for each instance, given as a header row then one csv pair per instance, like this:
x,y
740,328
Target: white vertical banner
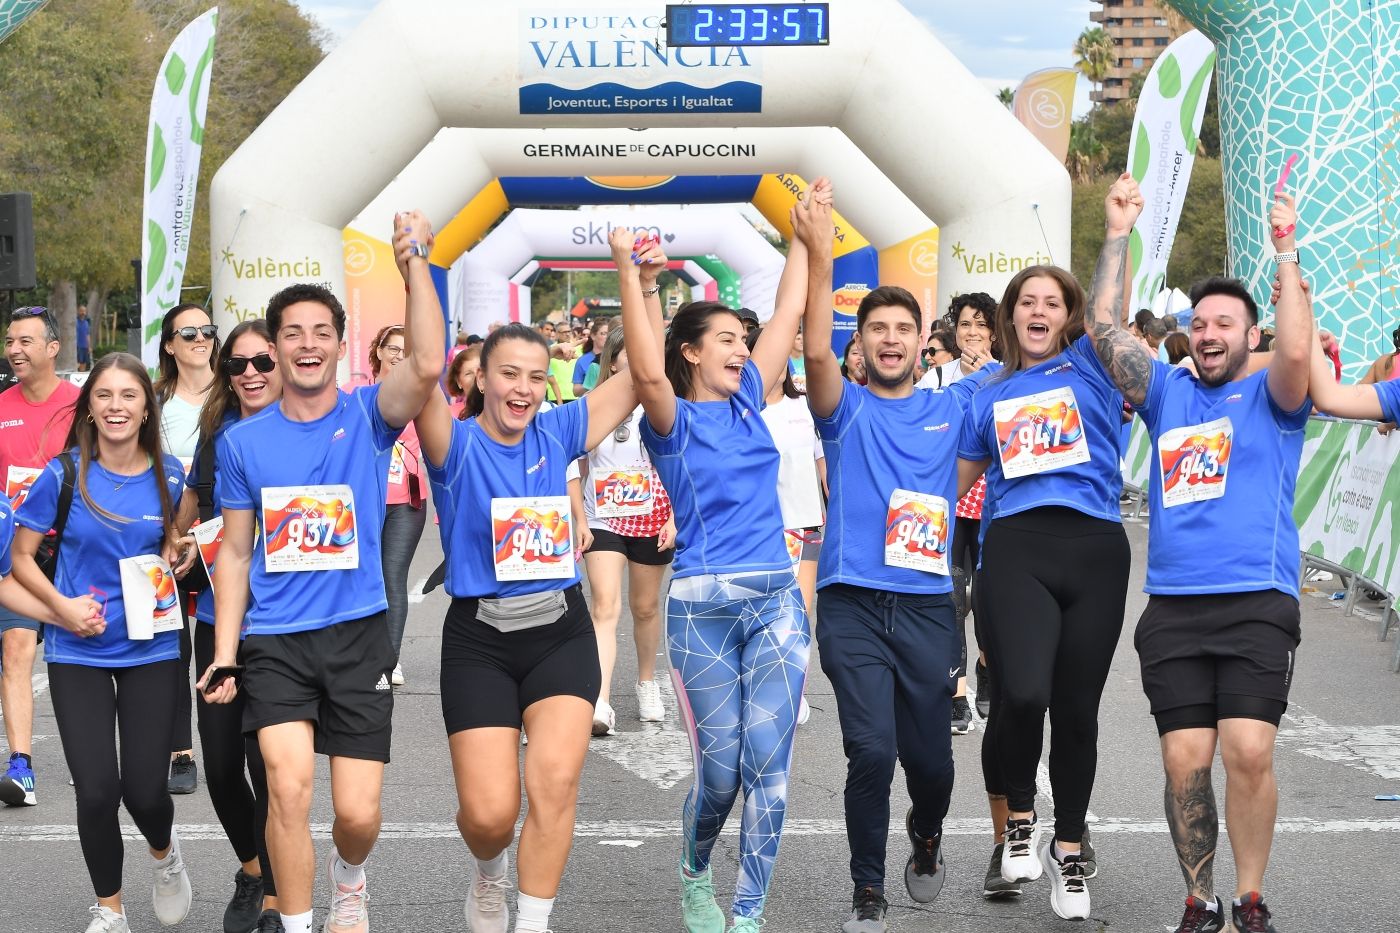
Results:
x,y
1162,152
173,145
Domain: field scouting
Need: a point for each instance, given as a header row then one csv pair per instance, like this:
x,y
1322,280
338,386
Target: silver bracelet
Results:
x,y
648,292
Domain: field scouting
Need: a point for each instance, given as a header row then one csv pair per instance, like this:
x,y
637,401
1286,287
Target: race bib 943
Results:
x,y
309,528
917,531
1195,462
533,540
1039,432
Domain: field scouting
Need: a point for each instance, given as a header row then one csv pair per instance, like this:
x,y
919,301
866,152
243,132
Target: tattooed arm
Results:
x,y
1124,358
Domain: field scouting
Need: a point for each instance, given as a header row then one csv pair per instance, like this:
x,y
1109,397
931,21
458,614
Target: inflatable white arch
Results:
x,y
480,285
355,127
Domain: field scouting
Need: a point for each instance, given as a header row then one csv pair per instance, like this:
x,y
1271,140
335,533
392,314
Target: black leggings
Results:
x,y
180,736
992,779
91,705
965,554
1057,581
242,809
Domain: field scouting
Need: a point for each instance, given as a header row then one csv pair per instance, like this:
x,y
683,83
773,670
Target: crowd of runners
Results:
x,y
872,501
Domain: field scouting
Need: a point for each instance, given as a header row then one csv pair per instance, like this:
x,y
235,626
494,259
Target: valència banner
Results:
x,y
1043,103
174,141
1161,153
1347,498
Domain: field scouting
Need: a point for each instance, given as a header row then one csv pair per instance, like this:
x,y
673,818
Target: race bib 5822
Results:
x,y
309,528
623,493
1195,461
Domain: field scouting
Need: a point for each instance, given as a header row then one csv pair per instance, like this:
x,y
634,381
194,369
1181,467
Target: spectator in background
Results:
x,y
1173,325
597,336
750,319
561,371
458,346
546,329
474,339
797,364
1140,321
1387,366
461,373
83,341
1154,332
1266,342
853,362
1178,347
940,351
494,326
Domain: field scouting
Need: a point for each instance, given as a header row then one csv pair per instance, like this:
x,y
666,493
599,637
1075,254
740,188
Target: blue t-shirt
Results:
x,y
350,446
1389,394
90,551
477,470
581,367
875,446
1055,427
1224,467
7,537
720,468
83,325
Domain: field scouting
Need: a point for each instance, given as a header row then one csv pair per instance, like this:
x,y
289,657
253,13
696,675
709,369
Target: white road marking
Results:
x,y
622,832
415,593
1373,749
659,753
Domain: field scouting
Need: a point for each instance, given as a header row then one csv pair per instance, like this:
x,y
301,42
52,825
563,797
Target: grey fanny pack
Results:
x,y
517,613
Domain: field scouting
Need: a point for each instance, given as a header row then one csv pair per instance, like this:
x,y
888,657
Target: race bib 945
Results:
x,y
309,528
916,532
1195,462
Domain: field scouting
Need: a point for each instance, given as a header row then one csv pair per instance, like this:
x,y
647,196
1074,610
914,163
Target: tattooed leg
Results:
x,y
1195,826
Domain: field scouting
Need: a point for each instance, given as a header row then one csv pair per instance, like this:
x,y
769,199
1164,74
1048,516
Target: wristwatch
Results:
x,y
420,250
648,292
1290,256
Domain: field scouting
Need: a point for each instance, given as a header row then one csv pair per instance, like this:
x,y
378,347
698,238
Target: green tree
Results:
x,y
1006,96
1093,54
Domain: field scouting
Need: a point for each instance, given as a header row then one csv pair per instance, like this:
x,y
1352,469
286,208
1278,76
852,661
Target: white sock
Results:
x,y
494,867
1212,905
1062,854
531,914
297,923
343,872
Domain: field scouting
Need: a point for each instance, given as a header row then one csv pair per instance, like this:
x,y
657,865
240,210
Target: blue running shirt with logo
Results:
x,y
1223,471
266,458
1050,433
892,467
478,470
1389,394
720,468
7,537
89,555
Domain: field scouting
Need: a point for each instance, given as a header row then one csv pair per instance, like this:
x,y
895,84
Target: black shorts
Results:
x,y
335,677
637,550
1219,656
489,678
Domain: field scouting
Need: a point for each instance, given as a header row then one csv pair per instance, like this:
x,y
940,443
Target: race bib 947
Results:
x,y
309,528
1195,462
1039,432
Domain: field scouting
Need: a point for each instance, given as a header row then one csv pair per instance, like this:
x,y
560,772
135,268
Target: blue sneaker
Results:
x,y
17,787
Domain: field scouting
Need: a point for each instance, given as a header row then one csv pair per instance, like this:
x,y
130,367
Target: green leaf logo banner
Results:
x,y
178,106
1163,151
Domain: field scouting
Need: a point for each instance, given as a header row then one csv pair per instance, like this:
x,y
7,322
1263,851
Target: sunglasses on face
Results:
x,y
238,365
207,331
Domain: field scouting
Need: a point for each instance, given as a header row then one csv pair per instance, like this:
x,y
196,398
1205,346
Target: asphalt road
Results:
x,y
1334,865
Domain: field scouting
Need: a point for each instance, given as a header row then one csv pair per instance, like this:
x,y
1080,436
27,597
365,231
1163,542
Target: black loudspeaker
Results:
x,y
17,241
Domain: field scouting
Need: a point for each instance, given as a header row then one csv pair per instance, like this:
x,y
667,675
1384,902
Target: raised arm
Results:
x,y
1293,320
1358,401
770,354
641,334
407,386
1123,356
813,226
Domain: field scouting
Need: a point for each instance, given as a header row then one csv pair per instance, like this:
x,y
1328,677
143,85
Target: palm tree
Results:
x,y
1093,55
1006,96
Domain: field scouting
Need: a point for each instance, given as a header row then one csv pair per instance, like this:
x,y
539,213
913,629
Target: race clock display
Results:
x,y
734,24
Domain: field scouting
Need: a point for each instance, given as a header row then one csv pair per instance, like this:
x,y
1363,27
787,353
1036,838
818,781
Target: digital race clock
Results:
x,y
709,24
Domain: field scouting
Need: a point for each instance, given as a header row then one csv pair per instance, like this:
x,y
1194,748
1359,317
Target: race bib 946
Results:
x,y
1195,462
917,531
309,528
533,540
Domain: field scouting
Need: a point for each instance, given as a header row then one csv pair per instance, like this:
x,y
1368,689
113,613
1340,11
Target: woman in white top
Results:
x,y
189,347
801,485
629,527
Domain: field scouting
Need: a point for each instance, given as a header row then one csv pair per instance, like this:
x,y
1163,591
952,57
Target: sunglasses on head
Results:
x,y
208,331
30,311
238,365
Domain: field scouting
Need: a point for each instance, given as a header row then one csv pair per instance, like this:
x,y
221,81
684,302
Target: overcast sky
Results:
x,y
1000,41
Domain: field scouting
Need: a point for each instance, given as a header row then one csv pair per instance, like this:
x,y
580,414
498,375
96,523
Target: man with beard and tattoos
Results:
x,y
1219,636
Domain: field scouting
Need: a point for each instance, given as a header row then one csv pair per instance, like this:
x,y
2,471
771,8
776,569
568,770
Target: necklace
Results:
x,y
118,487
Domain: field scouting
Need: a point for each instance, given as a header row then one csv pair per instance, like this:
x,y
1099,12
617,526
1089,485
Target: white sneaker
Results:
x,y
105,920
1018,857
1069,892
349,903
171,893
604,719
649,705
396,678
804,712
486,908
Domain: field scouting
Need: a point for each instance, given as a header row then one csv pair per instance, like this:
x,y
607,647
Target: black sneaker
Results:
x,y
923,873
867,912
994,886
1087,855
1199,918
245,907
962,716
184,774
270,922
1251,915
984,691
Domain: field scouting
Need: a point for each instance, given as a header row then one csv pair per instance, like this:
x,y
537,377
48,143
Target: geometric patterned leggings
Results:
x,y
738,645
